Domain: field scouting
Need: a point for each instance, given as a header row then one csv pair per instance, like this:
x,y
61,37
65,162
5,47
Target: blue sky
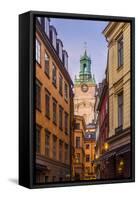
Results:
x,y
74,33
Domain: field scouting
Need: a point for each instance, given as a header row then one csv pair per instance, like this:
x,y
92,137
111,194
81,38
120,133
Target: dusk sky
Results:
x,y
74,33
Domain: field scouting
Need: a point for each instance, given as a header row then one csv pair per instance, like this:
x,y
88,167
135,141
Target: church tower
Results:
x,y
84,90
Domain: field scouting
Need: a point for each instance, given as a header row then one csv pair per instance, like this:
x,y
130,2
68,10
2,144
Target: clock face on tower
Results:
x,y
84,88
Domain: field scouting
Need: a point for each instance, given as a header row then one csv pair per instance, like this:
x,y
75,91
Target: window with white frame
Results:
x,y
37,50
47,66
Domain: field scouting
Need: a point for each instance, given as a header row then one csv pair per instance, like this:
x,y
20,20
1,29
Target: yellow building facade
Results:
x,y
53,106
78,156
118,35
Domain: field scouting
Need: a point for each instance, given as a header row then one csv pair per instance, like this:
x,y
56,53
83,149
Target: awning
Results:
x,y
123,151
107,155
115,152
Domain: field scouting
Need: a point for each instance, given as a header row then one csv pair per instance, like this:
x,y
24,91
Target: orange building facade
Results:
x,y
54,106
89,145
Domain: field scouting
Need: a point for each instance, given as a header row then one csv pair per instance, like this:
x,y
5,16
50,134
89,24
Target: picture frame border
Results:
x,y
27,95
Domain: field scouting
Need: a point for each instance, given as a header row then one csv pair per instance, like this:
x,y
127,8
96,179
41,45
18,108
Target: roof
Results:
x,y
90,135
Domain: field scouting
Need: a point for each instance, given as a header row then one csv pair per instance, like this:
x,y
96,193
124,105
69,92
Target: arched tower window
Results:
x,y
84,67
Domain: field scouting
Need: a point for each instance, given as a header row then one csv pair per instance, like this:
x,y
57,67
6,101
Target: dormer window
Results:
x,y
53,36
65,59
59,48
46,26
39,19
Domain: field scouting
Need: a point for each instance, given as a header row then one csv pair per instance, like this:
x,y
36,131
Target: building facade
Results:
x,y
102,126
78,156
54,106
118,156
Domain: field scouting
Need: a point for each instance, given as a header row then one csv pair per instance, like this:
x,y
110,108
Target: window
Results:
x,y
66,91
60,117
47,66
47,143
120,51
60,150
87,158
47,104
106,107
38,137
87,146
120,109
66,153
54,75
46,26
37,51
38,95
54,111
66,123
77,142
39,19
60,84
87,170
84,68
46,179
54,147
54,178
60,179
77,157
77,126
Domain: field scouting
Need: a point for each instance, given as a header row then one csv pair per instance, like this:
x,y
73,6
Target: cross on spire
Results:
x,y
85,46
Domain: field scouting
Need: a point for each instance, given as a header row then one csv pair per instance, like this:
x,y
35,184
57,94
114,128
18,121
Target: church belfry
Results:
x,y
85,70
84,90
